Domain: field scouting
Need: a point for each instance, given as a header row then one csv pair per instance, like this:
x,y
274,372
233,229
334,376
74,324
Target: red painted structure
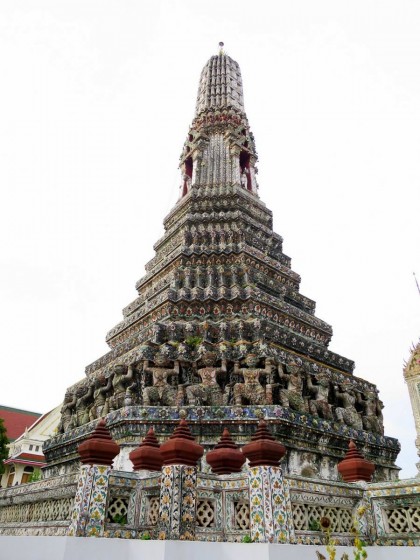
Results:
x,y
147,455
354,467
226,457
181,448
99,448
16,421
263,450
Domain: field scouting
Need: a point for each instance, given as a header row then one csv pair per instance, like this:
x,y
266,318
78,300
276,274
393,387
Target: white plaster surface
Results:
x,y
71,548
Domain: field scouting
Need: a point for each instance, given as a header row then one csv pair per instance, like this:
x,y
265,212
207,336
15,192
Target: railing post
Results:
x,y
270,508
89,509
178,489
269,500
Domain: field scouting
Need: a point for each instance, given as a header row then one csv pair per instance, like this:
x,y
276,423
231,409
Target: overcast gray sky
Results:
x,y
95,103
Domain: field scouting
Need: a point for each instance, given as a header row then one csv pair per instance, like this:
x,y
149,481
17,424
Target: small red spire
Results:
x,y
147,455
226,457
354,466
181,448
263,450
99,448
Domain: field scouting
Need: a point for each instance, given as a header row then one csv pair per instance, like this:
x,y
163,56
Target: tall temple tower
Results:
x,y
219,332
412,378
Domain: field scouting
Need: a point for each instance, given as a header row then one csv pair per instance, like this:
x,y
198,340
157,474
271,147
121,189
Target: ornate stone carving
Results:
x,y
292,395
208,392
219,281
160,393
69,405
348,412
320,406
251,391
121,378
100,406
372,412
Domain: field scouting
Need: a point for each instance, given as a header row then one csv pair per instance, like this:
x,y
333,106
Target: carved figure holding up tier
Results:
x,y
372,407
120,379
100,406
132,395
292,396
348,413
320,405
208,392
84,399
251,391
161,393
67,411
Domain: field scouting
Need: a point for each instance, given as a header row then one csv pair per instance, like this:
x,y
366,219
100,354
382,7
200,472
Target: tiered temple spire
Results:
x,y
219,328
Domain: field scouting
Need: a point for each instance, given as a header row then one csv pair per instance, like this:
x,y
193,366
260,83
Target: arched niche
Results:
x,y
245,170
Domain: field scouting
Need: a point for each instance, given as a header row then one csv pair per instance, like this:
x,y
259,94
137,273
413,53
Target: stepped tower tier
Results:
x,y
219,331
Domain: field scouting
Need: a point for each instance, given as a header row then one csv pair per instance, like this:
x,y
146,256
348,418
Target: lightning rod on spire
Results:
x,y
417,284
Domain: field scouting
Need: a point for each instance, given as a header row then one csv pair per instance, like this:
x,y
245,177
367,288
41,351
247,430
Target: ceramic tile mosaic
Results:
x,y
232,481
89,509
271,519
387,507
216,499
178,503
231,499
77,525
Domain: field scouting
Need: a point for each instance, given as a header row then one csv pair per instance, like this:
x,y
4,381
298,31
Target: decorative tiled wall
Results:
x,y
177,512
179,503
90,503
270,508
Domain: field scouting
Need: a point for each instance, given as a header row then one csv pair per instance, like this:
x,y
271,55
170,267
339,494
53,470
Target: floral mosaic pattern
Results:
x,y
178,503
89,508
390,509
271,519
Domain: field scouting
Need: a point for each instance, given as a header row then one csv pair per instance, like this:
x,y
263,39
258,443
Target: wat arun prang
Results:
x,y
219,333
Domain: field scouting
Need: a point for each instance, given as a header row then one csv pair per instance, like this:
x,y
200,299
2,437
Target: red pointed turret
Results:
x,y
181,448
354,467
147,455
226,457
263,450
99,448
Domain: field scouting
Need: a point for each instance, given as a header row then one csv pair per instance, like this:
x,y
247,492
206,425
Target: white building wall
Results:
x,y
71,548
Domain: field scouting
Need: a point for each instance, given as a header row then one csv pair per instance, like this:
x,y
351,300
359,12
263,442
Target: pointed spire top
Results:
x,y
220,84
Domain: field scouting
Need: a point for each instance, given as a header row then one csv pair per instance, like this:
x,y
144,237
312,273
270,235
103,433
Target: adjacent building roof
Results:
x,y
16,420
36,460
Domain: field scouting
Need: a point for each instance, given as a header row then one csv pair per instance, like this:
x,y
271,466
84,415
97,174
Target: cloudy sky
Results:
x,y
95,103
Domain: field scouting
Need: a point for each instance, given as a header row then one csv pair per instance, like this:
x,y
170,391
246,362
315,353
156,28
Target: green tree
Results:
x,y
36,475
4,451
